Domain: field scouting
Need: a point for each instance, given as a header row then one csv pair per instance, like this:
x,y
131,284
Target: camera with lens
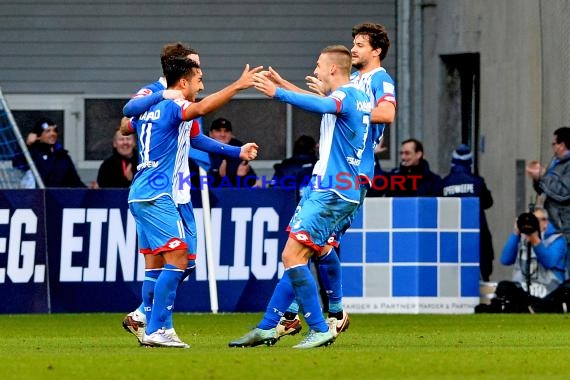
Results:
x,y
527,223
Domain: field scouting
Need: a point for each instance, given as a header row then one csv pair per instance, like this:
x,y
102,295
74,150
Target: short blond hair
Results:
x,y
340,56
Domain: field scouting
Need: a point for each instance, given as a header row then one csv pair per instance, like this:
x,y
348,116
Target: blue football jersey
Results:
x,y
342,142
379,86
163,145
159,85
201,158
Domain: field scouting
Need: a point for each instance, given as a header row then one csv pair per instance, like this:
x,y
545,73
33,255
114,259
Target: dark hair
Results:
x,y
41,125
177,68
220,123
377,36
563,136
304,145
418,146
341,56
177,49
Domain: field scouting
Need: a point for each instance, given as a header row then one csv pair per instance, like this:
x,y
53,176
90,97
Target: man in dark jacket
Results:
x,y
52,161
296,171
119,169
229,172
461,182
554,182
420,180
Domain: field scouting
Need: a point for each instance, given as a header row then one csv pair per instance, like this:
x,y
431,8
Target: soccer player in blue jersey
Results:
x,y
135,321
370,47
334,194
153,93
155,192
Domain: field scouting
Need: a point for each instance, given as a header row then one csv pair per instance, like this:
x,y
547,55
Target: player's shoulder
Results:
x,y
381,75
181,103
349,91
151,88
349,88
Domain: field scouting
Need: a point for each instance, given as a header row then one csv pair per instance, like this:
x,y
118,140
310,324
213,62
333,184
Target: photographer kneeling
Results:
x,y
533,280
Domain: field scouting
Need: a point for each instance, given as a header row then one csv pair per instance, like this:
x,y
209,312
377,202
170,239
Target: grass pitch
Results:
x,y
94,346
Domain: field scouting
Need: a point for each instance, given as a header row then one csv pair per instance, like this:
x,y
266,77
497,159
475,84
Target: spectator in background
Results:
x,y
554,183
425,183
119,169
54,164
229,172
532,279
297,170
461,182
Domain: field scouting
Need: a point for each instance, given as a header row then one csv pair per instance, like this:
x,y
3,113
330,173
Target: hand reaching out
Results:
x,y
246,80
534,170
248,151
274,76
264,84
315,84
31,138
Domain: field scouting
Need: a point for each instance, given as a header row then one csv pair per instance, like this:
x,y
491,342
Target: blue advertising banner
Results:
x,y
23,252
92,247
75,250
94,264
413,255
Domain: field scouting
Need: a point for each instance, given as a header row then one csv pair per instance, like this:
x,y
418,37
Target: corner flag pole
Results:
x,y
204,191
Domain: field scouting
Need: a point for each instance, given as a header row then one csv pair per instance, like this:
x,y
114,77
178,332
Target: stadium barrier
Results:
x,y
74,250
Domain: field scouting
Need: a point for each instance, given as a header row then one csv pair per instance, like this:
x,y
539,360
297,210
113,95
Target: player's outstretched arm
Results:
x,y
246,152
307,101
209,145
140,103
282,82
249,151
216,100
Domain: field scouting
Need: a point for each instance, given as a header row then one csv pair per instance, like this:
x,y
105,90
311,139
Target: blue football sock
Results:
x,y
190,268
168,324
292,310
164,296
331,279
150,276
307,296
282,297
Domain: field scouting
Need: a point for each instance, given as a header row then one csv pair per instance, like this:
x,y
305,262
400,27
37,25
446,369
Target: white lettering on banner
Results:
x,y
121,246
201,266
70,244
4,219
410,305
21,254
264,250
94,272
241,216
84,258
